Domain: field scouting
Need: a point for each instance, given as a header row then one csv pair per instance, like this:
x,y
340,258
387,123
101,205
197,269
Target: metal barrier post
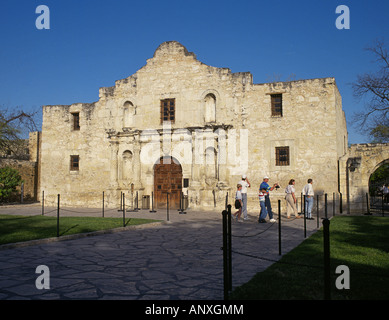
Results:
x,y
279,227
382,204
317,210
333,204
224,248
103,204
326,247
43,203
167,206
305,217
325,206
302,204
121,201
340,203
229,239
58,215
124,210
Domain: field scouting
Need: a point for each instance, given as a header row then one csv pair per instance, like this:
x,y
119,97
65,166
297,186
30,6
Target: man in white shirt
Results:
x,y
245,184
309,194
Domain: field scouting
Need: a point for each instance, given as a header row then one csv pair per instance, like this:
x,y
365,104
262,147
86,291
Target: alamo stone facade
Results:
x,y
179,125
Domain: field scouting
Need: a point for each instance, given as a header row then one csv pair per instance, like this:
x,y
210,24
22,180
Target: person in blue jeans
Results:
x,y
263,213
309,194
265,185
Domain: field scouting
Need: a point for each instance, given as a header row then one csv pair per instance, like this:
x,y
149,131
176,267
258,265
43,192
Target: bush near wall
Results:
x,y
10,179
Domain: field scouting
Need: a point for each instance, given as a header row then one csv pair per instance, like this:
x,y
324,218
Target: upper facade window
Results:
x,y
282,156
76,121
74,163
168,110
276,105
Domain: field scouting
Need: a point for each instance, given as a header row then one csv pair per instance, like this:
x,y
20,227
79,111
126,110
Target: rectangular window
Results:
x,y
76,121
74,163
168,110
276,105
282,156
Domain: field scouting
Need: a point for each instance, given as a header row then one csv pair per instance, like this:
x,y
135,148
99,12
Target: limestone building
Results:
x,y
179,125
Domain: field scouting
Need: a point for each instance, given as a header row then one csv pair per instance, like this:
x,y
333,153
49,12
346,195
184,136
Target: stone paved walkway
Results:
x,y
176,260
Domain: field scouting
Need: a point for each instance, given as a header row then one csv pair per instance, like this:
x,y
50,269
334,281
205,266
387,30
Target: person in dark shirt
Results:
x,y
265,185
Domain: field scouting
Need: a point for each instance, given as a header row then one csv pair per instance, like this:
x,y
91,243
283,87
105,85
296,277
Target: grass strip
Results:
x,y
359,242
15,229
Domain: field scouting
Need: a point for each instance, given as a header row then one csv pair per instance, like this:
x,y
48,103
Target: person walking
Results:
x,y
238,202
265,185
263,213
309,194
290,198
245,184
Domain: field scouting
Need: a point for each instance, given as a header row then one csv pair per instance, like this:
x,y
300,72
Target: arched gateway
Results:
x,y
359,164
167,181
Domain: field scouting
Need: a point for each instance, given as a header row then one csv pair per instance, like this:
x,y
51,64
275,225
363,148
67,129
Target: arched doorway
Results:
x,y
379,187
167,179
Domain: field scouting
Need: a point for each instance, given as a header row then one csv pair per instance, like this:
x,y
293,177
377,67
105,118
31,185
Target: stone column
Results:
x,y
196,157
114,162
137,166
221,142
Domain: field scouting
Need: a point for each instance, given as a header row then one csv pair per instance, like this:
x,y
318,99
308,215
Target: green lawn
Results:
x,y
23,228
359,242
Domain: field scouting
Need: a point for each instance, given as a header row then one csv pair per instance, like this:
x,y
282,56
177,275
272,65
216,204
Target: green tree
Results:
x,y
9,180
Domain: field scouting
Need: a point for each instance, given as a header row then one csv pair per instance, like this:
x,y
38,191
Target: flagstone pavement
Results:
x,y
179,259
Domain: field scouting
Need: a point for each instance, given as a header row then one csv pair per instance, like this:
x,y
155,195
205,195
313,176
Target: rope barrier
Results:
x,y
253,235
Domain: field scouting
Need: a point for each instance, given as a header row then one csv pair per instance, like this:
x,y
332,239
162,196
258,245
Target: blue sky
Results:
x,y
92,43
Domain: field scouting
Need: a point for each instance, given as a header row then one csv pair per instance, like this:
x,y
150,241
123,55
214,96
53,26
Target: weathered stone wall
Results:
x,y
216,111
357,167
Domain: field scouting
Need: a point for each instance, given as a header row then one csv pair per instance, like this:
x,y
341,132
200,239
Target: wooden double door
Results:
x,y
167,181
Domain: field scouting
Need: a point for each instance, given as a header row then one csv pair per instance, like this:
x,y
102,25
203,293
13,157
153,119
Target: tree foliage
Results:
x,y
374,87
12,125
9,180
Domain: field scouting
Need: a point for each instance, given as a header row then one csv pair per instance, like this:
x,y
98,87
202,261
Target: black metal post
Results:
x,y
317,210
305,218
124,210
229,248
43,203
152,202
58,215
340,203
326,247
333,204
382,204
279,227
103,204
325,206
167,206
226,200
302,204
225,262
